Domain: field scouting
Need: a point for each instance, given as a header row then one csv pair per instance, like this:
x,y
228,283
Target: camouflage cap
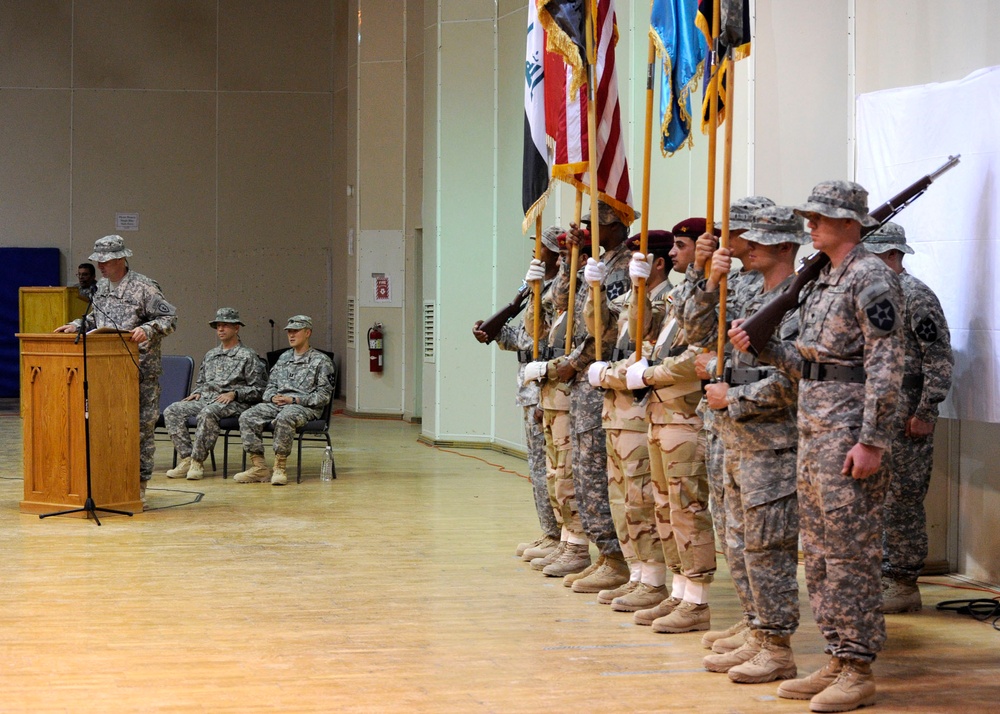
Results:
x,y
890,236
742,211
550,237
299,322
838,199
226,314
606,215
109,248
777,224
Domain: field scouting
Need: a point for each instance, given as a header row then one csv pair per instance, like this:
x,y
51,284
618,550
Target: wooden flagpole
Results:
x,y
574,266
595,220
537,289
713,122
727,179
640,299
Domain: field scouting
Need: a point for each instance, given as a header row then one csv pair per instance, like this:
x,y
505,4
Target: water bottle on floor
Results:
x,y
326,470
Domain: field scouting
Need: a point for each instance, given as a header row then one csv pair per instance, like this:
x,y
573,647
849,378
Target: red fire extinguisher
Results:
x,y
375,348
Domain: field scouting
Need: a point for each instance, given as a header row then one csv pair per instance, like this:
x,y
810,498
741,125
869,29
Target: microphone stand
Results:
x,y
88,506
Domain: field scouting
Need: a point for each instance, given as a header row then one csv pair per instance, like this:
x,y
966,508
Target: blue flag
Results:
x,y
681,48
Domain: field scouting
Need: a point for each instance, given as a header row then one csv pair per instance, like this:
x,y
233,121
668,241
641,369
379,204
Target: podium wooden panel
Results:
x,y
45,309
55,461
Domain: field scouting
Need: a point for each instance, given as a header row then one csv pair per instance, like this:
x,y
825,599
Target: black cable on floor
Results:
x,y
982,609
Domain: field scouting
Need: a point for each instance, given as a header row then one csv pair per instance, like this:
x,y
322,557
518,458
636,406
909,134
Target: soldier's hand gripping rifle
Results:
x,y
492,324
761,325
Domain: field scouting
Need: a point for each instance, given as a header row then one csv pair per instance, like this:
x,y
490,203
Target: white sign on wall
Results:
x,y
126,221
381,260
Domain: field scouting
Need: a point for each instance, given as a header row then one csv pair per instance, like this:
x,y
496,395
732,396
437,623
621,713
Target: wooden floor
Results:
x,y
393,588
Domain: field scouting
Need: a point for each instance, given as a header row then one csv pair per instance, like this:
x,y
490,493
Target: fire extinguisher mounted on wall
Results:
x,y
375,347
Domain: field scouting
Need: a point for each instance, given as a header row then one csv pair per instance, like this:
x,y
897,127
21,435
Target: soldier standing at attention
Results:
x,y
128,301
926,381
519,340
230,380
754,410
848,362
300,385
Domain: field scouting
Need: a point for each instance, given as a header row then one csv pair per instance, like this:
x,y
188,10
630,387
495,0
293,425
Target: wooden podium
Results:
x,y
45,309
55,456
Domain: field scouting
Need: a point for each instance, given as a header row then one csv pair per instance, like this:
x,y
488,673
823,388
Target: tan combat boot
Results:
x,y
773,661
686,617
808,687
541,563
744,653
568,580
737,628
853,688
196,471
575,557
257,473
648,617
611,573
521,547
278,476
142,494
899,596
643,597
181,469
539,549
606,596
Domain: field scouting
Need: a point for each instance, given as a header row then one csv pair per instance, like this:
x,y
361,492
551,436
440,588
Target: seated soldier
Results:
x,y
231,378
300,385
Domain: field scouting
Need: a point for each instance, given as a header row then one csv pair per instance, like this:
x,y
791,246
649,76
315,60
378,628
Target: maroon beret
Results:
x,y
655,241
692,228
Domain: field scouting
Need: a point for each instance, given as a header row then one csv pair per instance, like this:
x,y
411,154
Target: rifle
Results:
x,y
761,325
492,324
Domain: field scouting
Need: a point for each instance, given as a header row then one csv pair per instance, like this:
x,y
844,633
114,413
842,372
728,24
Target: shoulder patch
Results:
x,y
882,315
926,329
617,288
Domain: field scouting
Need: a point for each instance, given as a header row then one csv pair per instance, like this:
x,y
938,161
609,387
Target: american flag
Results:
x,y
566,102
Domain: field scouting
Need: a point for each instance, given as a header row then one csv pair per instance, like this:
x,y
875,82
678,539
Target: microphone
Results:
x,y
83,320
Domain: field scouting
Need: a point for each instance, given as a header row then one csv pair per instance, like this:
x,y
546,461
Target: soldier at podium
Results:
x,y
129,301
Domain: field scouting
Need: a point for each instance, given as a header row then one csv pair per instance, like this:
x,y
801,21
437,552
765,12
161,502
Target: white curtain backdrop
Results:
x,y
954,228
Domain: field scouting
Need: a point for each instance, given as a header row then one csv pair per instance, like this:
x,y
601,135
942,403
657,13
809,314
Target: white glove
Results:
x,y
536,272
535,372
595,272
594,373
639,267
633,377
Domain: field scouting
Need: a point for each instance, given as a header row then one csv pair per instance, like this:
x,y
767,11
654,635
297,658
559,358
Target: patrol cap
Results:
x,y
692,228
550,237
109,248
742,211
299,322
656,241
777,224
606,215
838,199
890,236
226,314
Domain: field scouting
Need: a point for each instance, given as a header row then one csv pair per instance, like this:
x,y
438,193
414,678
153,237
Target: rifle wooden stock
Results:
x,y
492,324
761,325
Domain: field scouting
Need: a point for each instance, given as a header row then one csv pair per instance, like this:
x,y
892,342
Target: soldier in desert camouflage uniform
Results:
x,y
300,385
590,477
129,301
231,379
848,362
677,453
926,381
518,339
630,488
754,417
554,400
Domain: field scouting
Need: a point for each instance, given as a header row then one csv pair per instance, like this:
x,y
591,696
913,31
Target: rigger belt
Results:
x,y
736,376
824,372
525,356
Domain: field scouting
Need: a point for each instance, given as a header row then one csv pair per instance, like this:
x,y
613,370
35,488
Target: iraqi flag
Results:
x,y
537,158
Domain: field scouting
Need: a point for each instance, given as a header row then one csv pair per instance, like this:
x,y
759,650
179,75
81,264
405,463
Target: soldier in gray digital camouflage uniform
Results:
x,y
926,381
754,418
231,379
129,301
739,280
300,385
590,478
848,362
518,339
